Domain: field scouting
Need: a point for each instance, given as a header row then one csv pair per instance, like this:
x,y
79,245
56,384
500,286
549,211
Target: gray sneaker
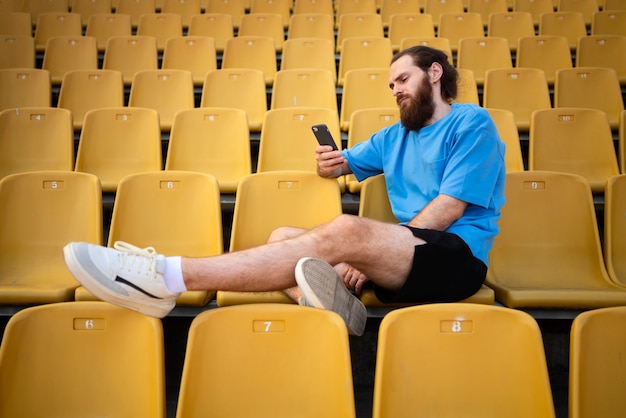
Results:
x,y
124,275
322,288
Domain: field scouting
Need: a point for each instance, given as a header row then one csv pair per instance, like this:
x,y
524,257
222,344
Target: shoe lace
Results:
x,y
136,260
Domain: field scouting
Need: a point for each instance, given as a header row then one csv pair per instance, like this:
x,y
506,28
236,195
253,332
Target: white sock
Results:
x,y
173,275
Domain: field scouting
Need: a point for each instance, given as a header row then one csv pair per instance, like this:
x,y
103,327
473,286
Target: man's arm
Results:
x,y
439,214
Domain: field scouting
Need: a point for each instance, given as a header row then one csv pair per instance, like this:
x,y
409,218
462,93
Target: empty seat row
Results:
x,y
231,357
547,254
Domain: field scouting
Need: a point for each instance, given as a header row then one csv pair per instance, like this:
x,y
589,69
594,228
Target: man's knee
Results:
x,y
284,232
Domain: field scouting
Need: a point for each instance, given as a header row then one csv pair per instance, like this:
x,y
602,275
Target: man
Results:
x,y
444,165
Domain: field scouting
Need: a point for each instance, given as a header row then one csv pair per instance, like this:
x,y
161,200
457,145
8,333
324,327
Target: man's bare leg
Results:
x,y
381,251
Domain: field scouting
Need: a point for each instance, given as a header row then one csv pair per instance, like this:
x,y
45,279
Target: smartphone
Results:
x,y
323,136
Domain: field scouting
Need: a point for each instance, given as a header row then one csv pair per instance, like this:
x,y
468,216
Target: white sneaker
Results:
x,y
322,288
127,276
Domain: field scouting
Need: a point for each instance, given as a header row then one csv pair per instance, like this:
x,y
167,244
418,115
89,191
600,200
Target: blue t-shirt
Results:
x,y
460,155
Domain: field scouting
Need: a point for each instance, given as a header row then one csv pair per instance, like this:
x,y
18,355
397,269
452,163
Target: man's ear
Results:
x,y
435,72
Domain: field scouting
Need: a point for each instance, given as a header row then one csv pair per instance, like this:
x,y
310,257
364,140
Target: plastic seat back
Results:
x,y
548,254
609,22
363,52
279,7
88,8
485,8
520,90
185,8
535,7
36,139
264,24
304,88
39,215
364,88
549,53
54,24
239,88
130,54
578,87
299,53
185,206
119,141
573,140
17,51
196,54
252,52
456,26
37,7
512,26
615,228
406,25
437,379
314,6
214,141
287,142
15,23
218,26
436,8
596,378
110,360
568,24
467,90
268,200
135,9
260,347
603,51
107,25
25,87
67,53
85,90
351,25
482,54
442,44
160,26
388,8
166,91
312,25
622,142
235,8
585,7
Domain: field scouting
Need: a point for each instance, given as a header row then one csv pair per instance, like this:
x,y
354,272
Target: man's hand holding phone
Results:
x,y
330,161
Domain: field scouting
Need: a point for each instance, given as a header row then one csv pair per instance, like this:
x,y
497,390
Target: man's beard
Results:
x,y
419,109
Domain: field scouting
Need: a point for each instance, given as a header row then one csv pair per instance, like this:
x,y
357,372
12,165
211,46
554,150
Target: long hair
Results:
x,y
423,57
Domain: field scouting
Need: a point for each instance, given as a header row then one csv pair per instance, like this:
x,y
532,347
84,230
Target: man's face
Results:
x,y
413,91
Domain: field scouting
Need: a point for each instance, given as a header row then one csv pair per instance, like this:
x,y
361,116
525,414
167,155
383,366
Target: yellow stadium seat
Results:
x,y
609,22
549,53
104,26
547,254
596,375
15,23
268,200
442,44
185,8
507,129
512,26
254,52
535,7
88,8
218,26
520,90
615,228
176,212
235,8
135,9
260,348
56,24
280,7
312,25
39,215
213,141
436,8
482,54
409,25
363,52
24,87
161,26
166,91
130,54
196,54
69,53
603,51
37,7
17,51
264,24
358,25
111,361
578,87
304,88
315,53
467,87
486,7
573,140
364,88
568,24
456,26
239,88
313,6
436,379
119,141
585,7
36,139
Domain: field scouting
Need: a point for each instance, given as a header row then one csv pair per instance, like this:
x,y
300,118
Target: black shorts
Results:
x,y
444,270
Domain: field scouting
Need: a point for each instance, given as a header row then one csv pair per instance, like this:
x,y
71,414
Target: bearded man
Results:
x,y
445,173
